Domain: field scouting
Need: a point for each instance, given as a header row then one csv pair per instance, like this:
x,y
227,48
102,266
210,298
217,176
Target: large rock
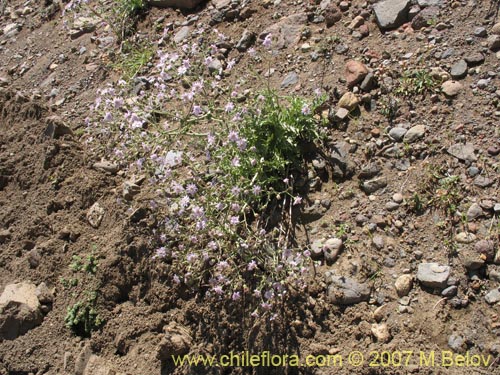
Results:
x,y
451,88
461,151
346,291
493,296
424,18
355,72
176,341
391,13
348,101
433,275
19,310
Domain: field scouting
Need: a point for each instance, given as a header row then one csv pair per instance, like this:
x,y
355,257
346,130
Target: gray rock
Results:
x,y
496,208
215,66
483,181
429,3
291,79
129,190
486,248
483,83
473,263
369,171
341,114
342,165
425,17
464,152
480,32
181,35
391,13
246,41
371,186
474,212
459,69
343,290
449,292
56,128
11,29
19,310
4,81
433,275
493,42
368,82
456,342
44,294
397,134
493,296
378,242
106,166
414,133
474,58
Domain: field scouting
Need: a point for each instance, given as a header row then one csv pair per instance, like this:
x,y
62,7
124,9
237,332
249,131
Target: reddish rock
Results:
x,y
355,71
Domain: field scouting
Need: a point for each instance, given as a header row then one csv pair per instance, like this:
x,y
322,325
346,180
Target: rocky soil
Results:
x,y
402,213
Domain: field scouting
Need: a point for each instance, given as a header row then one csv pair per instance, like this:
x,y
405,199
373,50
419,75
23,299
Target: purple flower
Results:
x,y
252,265
236,162
236,296
210,140
297,200
197,212
256,190
161,252
267,41
229,107
176,188
108,117
306,110
242,144
197,111
233,136
234,220
235,207
176,279
218,290
118,102
266,306
235,190
191,258
257,293
191,189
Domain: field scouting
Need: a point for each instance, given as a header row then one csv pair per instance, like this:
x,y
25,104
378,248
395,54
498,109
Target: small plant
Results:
x,y
416,82
132,59
76,263
82,318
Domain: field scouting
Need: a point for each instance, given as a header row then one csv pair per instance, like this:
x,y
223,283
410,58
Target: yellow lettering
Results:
x,y
446,358
427,361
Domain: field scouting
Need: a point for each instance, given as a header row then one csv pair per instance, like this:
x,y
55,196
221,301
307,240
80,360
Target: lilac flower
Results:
x,y
191,258
188,96
218,290
266,306
197,212
108,117
257,293
184,202
252,265
234,220
236,162
307,253
208,60
212,245
222,265
236,296
210,140
229,107
297,200
176,188
197,110
181,70
176,279
201,224
235,190
251,51
231,64
305,110
269,294
233,136
161,252
191,189
198,86
118,102
267,41
235,207
256,190
254,314
242,144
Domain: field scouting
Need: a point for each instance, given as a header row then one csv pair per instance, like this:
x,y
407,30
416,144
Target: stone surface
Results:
x,y
414,133
451,88
486,248
459,69
331,249
19,310
348,101
291,79
461,151
403,285
398,134
181,35
433,275
465,237
493,42
493,296
355,72
390,14
343,290
475,211
371,186
425,18
95,215
176,341
381,332
246,41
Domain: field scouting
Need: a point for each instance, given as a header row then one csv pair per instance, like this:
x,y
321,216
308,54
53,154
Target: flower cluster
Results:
x,y
222,162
